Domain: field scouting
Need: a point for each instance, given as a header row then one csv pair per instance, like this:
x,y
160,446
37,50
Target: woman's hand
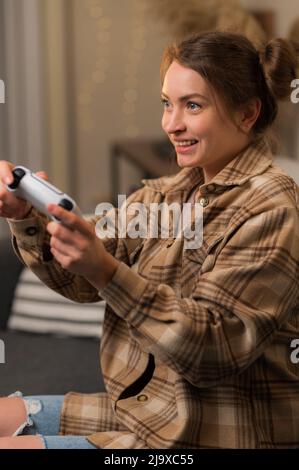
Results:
x,y
76,247
12,207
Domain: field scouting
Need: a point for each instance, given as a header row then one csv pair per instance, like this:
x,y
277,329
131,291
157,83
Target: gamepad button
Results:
x,y
66,204
18,175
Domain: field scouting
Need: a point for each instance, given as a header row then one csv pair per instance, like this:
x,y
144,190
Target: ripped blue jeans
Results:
x,y
43,419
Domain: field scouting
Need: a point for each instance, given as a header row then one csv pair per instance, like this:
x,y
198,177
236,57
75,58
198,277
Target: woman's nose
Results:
x,y
173,122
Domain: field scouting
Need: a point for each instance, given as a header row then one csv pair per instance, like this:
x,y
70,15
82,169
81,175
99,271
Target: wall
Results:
x,y
24,105
285,11
2,77
23,129
117,51
287,124
3,225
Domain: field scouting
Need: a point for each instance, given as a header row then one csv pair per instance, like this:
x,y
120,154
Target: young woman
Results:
x,y
196,346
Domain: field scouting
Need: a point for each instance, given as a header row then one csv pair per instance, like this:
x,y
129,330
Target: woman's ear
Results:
x,y
249,114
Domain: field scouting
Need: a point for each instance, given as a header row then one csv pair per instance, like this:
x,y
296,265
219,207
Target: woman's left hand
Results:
x,y
76,247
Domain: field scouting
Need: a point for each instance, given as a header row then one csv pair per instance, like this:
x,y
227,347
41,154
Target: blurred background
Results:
x,y
82,90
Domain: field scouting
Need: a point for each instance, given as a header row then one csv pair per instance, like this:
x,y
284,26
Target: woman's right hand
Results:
x,y
12,207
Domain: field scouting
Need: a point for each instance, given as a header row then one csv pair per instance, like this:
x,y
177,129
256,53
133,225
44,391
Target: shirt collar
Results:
x,y
252,161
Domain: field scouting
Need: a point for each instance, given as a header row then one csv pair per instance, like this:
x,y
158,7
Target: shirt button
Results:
x,y
204,201
31,231
142,397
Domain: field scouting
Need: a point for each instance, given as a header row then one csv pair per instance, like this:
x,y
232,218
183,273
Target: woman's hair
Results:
x,y
237,71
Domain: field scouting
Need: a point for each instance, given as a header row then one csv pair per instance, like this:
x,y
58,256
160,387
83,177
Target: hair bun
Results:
x,y
279,60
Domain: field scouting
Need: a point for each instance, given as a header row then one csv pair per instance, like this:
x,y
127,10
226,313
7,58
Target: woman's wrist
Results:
x,y
104,274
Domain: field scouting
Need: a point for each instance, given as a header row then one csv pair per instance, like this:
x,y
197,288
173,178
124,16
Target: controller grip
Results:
x,y
18,174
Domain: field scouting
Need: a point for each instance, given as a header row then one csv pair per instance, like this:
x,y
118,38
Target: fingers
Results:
x,y
72,232
7,200
62,248
67,246
62,233
5,195
71,238
2,211
10,205
6,176
61,257
71,220
3,192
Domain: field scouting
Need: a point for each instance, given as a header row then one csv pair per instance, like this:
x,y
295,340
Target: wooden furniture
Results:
x,y
154,158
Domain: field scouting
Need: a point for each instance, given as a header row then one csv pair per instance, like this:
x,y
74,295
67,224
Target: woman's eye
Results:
x,y
165,103
193,106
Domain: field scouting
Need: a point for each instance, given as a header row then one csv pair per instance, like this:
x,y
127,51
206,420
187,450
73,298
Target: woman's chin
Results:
x,y
186,161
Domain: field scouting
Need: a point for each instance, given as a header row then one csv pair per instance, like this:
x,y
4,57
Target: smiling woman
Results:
x,y
195,348
235,86
198,125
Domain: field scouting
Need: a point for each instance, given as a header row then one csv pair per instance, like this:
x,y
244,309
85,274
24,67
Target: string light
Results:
x,y
134,54
98,76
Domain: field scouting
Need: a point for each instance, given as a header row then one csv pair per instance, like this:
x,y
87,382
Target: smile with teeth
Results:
x,y
185,143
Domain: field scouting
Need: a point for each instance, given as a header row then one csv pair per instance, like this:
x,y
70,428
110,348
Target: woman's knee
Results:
x,y
22,442
13,415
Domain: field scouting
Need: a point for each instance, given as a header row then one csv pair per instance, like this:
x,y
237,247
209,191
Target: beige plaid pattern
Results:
x,y
203,334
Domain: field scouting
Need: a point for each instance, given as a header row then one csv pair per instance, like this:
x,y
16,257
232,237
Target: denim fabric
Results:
x,y
67,442
44,413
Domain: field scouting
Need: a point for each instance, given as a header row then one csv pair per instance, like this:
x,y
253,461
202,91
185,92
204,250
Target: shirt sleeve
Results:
x,y
31,243
235,310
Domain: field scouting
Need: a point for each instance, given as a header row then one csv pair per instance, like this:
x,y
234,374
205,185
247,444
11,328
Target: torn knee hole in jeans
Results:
x,y
32,407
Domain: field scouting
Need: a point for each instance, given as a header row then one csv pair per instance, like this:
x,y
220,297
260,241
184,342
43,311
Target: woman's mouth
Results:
x,y
185,146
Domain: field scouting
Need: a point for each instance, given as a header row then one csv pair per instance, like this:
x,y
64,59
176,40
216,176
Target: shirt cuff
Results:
x,y
30,231
124,290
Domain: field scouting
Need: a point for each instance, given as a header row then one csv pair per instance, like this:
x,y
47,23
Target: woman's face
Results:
x,y
197,123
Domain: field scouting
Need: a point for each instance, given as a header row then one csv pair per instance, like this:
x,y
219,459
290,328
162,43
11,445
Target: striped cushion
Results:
x,y
36,308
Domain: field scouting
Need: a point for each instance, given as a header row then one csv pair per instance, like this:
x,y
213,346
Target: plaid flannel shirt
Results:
x,y
195,351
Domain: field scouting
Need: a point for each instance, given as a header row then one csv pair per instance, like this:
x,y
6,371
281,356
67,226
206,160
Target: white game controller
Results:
x,y
39,193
